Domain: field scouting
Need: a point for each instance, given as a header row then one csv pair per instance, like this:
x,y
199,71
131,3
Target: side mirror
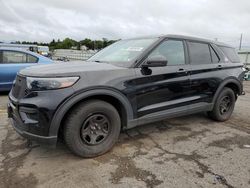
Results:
x,y
155,61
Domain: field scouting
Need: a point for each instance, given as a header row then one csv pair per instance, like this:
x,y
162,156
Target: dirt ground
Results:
x,y
191,151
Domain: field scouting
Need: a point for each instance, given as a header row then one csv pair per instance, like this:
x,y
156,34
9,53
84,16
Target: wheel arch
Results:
x,y
232,83
113,96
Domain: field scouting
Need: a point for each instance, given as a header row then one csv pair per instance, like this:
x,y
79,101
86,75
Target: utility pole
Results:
x,y
240,41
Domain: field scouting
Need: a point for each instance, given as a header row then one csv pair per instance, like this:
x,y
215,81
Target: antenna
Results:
x,y
240,41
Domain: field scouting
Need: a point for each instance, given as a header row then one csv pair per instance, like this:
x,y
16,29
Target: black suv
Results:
x,y
129,83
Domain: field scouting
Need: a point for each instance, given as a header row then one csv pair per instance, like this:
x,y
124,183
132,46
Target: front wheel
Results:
x,y
92,128
224,105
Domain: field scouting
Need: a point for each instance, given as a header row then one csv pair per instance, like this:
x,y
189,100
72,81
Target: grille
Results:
x,y
19,89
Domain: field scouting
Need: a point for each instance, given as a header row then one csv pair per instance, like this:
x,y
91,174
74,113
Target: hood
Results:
x,y
66,69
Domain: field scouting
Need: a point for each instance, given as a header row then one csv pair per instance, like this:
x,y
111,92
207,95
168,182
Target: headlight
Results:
x,y
39,84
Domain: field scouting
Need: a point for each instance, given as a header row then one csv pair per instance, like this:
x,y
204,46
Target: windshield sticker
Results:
x,y
137,49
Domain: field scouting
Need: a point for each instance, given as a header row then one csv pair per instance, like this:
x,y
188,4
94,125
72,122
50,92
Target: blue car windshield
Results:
x,y
124,52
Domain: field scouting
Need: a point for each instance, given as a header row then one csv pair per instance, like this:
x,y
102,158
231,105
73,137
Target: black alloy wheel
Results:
x,y
92,128
95,129
224,105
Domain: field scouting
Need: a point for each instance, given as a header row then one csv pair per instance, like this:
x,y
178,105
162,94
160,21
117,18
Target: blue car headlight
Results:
x,y
38,84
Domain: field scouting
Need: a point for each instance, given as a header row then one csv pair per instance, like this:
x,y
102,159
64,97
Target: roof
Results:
x,y
197,39
186,38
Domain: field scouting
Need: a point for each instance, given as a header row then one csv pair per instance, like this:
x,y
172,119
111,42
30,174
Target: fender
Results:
x,y
66,105
224,83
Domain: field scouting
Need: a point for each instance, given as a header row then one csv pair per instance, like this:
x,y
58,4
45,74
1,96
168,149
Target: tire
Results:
x,y
92,128
224,105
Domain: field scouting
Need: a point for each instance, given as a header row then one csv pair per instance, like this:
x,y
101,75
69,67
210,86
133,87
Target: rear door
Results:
x,y
206,73
10,63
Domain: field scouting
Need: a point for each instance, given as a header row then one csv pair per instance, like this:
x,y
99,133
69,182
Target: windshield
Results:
x,y
124,52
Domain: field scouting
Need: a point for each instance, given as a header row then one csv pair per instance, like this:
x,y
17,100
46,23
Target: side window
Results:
x,y
13,57
230,53
214,56
199,53
172,50
31,59
1,57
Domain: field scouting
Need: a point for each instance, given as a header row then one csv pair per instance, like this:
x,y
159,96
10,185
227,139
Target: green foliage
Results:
x,y
96,44
68,43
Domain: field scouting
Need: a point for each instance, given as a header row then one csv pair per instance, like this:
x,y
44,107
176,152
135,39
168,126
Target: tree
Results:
x,y
68,43
87,42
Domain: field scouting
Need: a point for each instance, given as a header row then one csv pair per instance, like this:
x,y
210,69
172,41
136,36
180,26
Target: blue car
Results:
x,y
13,60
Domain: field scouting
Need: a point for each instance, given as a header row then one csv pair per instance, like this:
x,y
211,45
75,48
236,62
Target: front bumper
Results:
x,y
22,127
31,112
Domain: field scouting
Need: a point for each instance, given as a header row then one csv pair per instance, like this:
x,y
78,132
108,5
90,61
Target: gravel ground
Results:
x,y
191,151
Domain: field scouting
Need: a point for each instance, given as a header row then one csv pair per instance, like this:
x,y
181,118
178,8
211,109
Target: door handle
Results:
x,y
219,66
181,70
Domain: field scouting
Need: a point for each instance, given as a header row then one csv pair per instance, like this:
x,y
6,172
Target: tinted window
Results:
x,y
13,57
230,53
214,56
199,53
17,57
172,50
31,59
1,57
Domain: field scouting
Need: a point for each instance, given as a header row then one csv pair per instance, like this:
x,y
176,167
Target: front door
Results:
x,y
164,88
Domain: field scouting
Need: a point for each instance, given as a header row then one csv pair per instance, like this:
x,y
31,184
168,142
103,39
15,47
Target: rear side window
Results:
x,y
1,57
199,53
31,59
214,55
230,53
17,57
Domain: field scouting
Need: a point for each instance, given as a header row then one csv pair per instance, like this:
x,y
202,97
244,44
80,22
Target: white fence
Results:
x,y
244,56
72,54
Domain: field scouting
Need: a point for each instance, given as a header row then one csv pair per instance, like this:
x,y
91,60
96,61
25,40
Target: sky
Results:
x,y
44,20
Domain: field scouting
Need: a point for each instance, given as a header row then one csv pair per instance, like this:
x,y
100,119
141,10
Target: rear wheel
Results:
x,y
92,128
224,105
